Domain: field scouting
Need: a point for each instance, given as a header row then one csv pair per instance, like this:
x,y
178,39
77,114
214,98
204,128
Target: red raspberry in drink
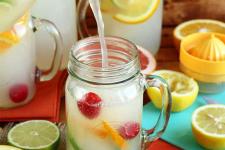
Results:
x,y
18,93
90,105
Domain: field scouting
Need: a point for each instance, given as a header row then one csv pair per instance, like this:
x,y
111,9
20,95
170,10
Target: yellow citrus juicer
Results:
x,y
202,56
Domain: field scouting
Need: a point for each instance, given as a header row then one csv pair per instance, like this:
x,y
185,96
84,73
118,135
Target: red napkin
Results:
x,y
45,104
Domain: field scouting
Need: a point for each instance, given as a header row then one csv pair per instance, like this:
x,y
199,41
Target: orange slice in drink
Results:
x,y
13,36
7,39
119,141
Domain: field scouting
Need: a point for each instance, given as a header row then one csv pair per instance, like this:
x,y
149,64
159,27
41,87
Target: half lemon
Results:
x,y
208,126
194,26
184,90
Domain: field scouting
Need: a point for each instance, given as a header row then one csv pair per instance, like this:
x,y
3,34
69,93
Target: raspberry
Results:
x,y
129,130
89,105
18,93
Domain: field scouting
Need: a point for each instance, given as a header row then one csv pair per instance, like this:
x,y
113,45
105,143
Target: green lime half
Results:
x,y
35,135
6,147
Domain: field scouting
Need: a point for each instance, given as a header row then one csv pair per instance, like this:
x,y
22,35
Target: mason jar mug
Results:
x,y
104,104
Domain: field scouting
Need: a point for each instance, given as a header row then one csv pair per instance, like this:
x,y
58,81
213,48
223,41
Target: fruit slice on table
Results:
x,y
11,11
208,126
119,141
147,60
6,147
130,11
35,134
184,90
194,26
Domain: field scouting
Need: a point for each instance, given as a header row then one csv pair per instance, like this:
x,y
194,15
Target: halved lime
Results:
x,y
6,147
35,135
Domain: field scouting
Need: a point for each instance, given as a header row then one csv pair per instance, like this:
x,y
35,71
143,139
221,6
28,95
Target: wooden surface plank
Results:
x,y
177,11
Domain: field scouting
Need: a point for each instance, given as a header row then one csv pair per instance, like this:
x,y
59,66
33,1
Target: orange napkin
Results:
x,y
45,104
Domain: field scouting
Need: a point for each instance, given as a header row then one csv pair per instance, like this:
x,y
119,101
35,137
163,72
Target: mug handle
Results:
x,y
153,134
54,32
82,7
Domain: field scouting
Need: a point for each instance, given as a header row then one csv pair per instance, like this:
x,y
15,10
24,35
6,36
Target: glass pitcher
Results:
x,y
18,71
63,14
145,32
104,105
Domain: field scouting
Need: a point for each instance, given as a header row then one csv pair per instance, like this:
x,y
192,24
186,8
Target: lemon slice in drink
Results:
x,y
34,135
184,90
208,126
198,25
131,11
6,147
11,11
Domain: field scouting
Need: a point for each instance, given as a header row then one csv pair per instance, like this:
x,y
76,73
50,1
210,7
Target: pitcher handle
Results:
x,y
54,32
162,122
82,7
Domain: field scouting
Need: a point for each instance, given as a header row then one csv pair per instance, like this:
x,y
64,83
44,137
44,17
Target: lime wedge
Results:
x,y
35,135
6,147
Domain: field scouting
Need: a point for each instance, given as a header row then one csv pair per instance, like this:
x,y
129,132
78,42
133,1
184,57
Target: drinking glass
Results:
x,y
18,72
104,104
146,33
63,14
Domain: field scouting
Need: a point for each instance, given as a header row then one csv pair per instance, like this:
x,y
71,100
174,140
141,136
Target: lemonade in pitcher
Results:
x,y
139,21
18,71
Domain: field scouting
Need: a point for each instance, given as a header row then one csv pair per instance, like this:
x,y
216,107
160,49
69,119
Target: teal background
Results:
x,y
179,130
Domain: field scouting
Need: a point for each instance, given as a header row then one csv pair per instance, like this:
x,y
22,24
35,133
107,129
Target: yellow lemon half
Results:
x,y
130,11
194,26
208,126
184,90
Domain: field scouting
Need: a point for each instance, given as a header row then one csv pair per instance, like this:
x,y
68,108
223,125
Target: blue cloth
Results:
x,y
179,130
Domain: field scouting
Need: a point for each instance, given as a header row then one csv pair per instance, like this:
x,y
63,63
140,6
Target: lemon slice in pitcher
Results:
x,y
184,90
208,126
131,11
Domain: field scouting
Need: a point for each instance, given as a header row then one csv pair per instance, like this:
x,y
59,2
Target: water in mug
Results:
x,y
17,73
63,14
119,112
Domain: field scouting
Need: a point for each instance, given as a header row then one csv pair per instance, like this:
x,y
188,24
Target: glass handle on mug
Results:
x,y
154,133
82,7
54,32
